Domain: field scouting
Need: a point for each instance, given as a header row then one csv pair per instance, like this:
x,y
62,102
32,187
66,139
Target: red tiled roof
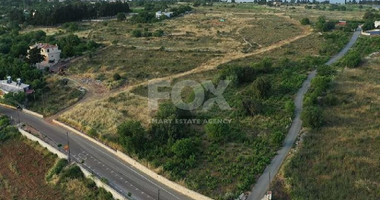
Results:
x,y
46,46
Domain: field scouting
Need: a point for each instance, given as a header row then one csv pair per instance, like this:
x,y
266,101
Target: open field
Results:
x,y
188,42
206,45
299,12
259,129
28,171
137,65
340,160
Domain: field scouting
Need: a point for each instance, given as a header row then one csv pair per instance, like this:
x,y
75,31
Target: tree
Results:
x,y
368,25
132,136
261,88
35,56
305,21
171,131
184,148
121,17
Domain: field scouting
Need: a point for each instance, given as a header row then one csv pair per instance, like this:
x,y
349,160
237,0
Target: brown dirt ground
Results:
x,y
22,173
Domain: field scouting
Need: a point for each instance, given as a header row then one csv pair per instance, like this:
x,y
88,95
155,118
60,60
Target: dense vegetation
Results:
x,y
148,15
337,160
58,13
370,17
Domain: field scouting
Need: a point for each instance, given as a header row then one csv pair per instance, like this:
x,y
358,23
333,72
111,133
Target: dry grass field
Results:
x,y
352,13
341,159
192,44
197,47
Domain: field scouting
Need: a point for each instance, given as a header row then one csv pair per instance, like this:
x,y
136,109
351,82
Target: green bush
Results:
x,y
136,33
218,131
158,33
184,148
8,132
352,59
261,88
73,172
132,136
305,21
312,117
57,168
120,17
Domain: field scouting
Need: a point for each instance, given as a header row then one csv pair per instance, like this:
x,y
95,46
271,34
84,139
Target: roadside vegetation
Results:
x,y
220,160
336,157
25,164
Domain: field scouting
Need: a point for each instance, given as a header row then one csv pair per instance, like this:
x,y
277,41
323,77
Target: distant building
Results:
x,y
377,24
159,14
277,3
8,85
341,23
51,53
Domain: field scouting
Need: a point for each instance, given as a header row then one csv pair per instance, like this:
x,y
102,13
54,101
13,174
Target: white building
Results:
x,y
8,85
377,24
159,14
51,53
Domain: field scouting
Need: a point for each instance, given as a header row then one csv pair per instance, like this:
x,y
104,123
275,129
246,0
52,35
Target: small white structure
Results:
x,y
377,24
8,85
159,14
51,53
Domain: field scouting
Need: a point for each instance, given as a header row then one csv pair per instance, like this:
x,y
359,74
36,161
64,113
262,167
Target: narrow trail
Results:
x,y
210,65
262,184
91,94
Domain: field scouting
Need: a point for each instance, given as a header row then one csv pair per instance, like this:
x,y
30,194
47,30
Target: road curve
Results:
x,y
262,184
120,175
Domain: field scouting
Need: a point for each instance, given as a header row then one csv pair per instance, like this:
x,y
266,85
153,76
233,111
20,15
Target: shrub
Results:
x,y
252,106
73,172
158,33
305,21
184,148
136,33
121,17
312,117
132,136
217,131
57,168
352,59
261,88
116,76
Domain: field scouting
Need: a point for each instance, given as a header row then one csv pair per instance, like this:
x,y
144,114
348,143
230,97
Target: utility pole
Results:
x,y
158,194
68,146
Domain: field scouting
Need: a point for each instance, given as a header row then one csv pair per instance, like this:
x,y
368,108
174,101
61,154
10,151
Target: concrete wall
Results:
x,y
42,143
32,113
142,168
53,150
99,183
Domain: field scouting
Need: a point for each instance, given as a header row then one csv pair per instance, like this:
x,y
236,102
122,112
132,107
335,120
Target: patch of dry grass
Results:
x,y
341,160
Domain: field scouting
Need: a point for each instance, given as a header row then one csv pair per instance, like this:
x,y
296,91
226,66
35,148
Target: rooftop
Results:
x,y
12,86
44,46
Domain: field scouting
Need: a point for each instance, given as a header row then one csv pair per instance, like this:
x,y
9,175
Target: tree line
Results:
x,y
58,13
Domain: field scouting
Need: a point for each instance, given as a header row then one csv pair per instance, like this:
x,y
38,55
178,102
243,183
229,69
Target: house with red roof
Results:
x,y
51,53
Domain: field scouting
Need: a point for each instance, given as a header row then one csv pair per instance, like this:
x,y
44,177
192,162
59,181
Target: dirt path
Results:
x,y
209,65
262,184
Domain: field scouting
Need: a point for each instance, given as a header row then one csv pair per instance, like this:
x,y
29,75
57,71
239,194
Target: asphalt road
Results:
x,y
120,175
262,184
